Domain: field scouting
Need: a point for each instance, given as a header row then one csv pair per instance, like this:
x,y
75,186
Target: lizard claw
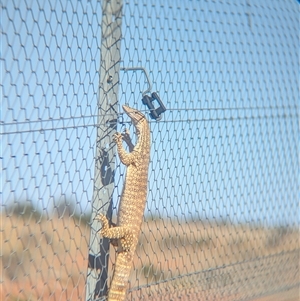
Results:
x,y
117,137
102,218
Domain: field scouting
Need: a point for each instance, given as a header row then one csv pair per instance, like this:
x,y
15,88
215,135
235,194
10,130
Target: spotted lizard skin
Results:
x,y
132,203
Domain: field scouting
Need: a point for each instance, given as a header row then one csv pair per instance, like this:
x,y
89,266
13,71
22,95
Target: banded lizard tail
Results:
x,y
132,203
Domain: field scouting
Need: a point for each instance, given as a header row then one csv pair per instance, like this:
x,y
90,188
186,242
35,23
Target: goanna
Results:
x,y
132,203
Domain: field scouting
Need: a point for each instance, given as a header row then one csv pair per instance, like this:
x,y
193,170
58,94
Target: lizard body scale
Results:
x,y
132,203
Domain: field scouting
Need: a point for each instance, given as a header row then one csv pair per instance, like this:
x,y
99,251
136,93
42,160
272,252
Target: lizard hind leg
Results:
x,y
123,233
105,225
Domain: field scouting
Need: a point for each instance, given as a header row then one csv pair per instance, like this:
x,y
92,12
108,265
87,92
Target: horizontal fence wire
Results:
x,y
228,282
222,214
245,113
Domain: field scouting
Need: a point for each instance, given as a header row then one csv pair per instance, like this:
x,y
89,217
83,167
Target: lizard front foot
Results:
x,y
117,137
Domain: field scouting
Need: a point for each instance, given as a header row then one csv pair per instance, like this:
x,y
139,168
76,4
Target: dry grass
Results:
x,y
43,260
47,259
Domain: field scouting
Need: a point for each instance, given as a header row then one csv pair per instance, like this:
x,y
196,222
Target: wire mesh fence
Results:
x,y
222,213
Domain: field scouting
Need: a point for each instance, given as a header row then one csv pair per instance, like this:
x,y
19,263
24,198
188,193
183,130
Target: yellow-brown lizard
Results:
x,y
132,203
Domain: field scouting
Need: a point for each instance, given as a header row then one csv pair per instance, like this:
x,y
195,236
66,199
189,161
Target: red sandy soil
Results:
x,y
47,259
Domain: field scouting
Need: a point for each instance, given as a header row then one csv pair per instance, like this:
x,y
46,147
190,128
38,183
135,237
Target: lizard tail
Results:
x,y
118,287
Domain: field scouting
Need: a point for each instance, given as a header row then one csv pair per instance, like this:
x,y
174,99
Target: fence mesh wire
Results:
x,y
222,213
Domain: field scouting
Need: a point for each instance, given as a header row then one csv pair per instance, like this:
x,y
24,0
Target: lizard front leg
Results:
x,y
123,233
126,158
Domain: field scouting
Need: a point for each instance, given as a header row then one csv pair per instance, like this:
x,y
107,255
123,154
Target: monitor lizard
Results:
x,y
132,203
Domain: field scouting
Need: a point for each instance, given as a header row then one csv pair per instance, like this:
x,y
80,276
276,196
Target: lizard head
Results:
x,y
136,116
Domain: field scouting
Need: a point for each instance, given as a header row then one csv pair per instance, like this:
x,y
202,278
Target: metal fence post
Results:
x,y
96,282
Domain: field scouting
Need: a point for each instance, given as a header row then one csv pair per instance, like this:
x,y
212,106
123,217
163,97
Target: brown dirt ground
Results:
x,y
47,260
